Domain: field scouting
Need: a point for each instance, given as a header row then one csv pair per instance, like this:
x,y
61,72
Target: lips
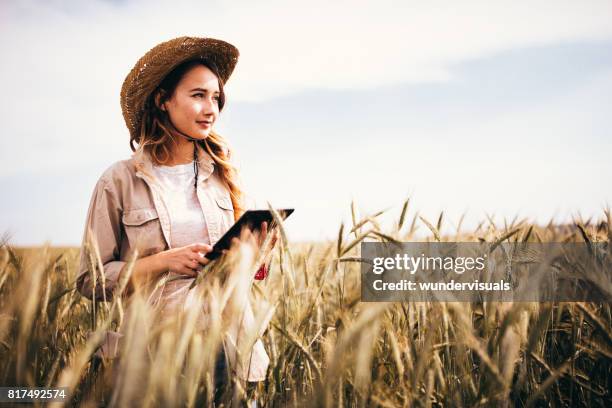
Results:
x,y
204,123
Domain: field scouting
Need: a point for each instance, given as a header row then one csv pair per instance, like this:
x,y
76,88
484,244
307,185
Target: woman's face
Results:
x,y
193,108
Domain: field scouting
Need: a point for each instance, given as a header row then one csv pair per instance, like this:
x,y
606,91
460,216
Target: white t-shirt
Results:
x,y
187,223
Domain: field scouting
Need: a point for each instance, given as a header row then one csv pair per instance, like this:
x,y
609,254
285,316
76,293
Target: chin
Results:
x,y
200,135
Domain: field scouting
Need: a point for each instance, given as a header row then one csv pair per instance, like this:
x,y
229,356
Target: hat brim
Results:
x,y
158,62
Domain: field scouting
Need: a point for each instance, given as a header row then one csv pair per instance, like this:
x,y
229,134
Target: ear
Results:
x,y
158,95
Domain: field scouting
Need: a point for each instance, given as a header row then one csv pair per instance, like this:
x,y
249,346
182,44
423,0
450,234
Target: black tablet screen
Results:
x,y
252,220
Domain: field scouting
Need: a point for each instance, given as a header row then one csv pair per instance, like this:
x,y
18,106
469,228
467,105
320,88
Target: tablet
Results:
x,y
252,220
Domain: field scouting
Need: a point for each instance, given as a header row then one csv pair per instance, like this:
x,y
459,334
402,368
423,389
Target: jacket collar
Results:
x,y
144,165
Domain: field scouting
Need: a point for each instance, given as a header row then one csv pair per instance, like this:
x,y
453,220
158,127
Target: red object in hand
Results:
x,y
262,272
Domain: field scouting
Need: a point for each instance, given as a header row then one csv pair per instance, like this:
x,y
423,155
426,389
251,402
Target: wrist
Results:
x,y
151,266
159,262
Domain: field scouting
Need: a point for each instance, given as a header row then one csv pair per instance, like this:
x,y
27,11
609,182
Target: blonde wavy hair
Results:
x,y
157,132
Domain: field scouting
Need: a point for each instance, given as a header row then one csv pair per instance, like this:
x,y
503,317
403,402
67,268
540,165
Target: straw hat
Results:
x,y
153,67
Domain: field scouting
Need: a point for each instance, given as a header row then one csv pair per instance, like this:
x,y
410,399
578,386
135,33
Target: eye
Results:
x,y
198,95
217,98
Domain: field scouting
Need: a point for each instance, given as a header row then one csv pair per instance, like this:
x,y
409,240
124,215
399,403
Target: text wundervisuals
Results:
x,y
414,263
442,286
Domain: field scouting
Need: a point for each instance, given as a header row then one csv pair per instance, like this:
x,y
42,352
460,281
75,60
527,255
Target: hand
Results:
x,y
185,260
262,272
263,234
258,237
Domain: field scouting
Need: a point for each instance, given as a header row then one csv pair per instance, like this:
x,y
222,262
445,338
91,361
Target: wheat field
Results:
x,y
326,348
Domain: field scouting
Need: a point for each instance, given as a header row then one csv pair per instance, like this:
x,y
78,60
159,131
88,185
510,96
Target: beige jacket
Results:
x,y
127,212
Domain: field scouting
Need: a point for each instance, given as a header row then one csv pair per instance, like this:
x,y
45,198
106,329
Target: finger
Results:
x,y
201,248
234,243
187,271
247,237
264,232
203,260
199,256
245,234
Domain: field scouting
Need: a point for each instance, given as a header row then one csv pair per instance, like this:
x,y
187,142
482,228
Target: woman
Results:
x,y
178,193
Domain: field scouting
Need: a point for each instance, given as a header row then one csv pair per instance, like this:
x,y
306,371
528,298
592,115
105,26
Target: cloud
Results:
x,y
287,47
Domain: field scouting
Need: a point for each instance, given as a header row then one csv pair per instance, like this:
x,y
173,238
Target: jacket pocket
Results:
x,y
143,231
226,210
134,218
225,203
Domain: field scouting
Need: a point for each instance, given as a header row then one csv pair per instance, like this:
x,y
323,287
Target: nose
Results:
x,y
209,107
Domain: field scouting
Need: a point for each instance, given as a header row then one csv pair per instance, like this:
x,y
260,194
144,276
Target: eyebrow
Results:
x,y
203,90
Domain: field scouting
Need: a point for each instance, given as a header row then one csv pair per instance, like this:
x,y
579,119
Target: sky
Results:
x,y
498,108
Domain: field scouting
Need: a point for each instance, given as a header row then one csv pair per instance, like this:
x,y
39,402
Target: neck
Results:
x,y
181,152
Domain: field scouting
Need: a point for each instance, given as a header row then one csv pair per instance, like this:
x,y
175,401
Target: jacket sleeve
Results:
x,y
102,230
